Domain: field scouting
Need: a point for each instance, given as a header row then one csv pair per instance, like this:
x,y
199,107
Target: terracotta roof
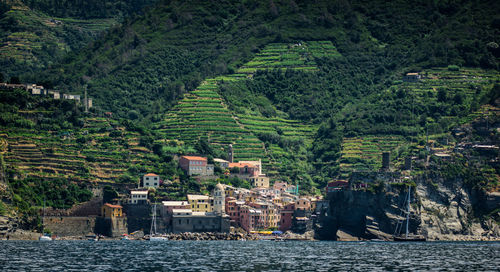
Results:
x,y
241,165
113,206
194,158
150,175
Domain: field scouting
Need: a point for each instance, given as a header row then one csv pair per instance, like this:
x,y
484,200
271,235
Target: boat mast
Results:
x,y
408,211
152,231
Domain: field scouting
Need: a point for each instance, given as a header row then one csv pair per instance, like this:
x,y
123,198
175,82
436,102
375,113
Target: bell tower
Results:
x,y
230,154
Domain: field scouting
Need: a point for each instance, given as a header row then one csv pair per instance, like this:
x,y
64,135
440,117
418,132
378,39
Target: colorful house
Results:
x,y
195,165
200,203
286,217
259,181
245,169
111,211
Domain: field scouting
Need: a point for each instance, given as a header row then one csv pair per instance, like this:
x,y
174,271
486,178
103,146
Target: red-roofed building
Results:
x,y
245,168
110,210
195,165
151,180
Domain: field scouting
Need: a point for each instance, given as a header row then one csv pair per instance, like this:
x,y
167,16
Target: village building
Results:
x,y
112,221
233,210
243,170
259,181
251,218
257,164
138,197
72,97
151,180
110,210
222,163
411,77
186,220
286,217
269,215
195,165
200,203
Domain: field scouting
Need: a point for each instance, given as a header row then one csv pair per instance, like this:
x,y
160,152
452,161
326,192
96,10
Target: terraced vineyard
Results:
x,y
365,153
470,81
299,56
101,158
203,113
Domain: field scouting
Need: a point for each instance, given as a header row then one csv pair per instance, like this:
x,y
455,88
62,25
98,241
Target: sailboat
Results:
x,y
153,236
407,237
44,236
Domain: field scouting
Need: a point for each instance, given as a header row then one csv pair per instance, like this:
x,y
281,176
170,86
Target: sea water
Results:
x,y
247,256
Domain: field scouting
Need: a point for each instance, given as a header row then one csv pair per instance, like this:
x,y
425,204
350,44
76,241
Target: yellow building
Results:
x,y
110,210
200,203
259,181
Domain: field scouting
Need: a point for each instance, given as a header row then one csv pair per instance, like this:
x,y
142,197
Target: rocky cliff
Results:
x,y
440,211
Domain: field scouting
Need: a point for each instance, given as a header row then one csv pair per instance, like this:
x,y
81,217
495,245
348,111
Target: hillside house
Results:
x,y
244,169
35,89
138,197
151,180
257,164
259,181
195,165
411,77
222,163
72,97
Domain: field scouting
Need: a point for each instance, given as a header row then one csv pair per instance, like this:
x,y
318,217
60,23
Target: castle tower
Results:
x,y
386,160
219,199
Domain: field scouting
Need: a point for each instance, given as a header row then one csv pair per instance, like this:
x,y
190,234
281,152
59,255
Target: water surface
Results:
x,y
247,256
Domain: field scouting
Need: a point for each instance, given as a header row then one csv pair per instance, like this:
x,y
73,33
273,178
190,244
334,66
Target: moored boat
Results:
x,y
407,237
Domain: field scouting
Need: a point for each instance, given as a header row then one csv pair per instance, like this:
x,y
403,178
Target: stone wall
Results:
x,y
70,225
111,227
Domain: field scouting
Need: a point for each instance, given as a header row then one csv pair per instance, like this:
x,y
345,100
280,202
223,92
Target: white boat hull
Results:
x,y
158,238
44,238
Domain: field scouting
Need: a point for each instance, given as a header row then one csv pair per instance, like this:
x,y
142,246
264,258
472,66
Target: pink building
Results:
x,y
270,216
245,168
194,165
251,218
233,210
286,217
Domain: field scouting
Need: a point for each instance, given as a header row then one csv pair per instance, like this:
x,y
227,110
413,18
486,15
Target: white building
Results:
x,y
151,180
138,197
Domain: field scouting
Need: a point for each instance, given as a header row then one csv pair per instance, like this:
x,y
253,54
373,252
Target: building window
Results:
x,y
180,221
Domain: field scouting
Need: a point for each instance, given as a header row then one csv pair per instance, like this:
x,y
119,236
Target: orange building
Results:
x,y
110,210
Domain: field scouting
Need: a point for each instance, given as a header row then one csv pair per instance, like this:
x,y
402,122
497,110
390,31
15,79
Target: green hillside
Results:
x,y
313,88
35,34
